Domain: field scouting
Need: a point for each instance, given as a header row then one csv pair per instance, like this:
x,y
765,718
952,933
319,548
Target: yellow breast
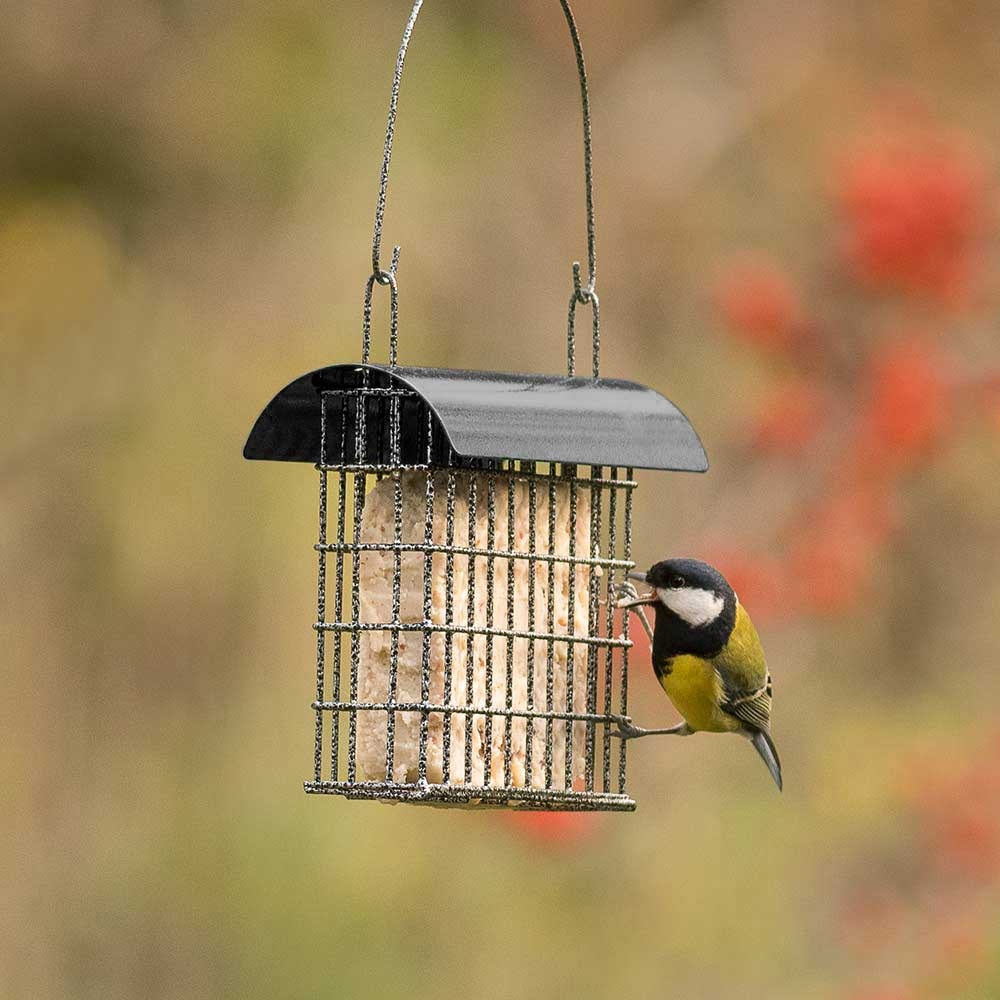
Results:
x,y
694,688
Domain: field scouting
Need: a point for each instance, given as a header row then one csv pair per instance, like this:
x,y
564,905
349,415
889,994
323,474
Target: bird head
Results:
x,y
692,591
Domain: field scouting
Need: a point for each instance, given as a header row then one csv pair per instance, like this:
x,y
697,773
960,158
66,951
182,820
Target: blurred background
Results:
x,y
797,241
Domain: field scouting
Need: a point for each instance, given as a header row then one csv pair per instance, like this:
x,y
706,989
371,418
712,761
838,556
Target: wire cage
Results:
x,y
472,529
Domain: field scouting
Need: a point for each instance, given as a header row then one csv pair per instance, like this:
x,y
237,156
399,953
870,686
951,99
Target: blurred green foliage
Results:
x,y
185,206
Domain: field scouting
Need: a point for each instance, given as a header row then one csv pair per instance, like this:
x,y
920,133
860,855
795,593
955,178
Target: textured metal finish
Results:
x,y
460,795
368,434
583,294
531,471
395,628
368,423
469,648
482,415
382,278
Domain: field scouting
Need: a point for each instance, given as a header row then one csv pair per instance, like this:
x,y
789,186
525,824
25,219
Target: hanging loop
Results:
x,y
583,294
381,277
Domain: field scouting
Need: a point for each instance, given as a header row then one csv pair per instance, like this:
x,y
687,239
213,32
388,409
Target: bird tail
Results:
x,y
764,745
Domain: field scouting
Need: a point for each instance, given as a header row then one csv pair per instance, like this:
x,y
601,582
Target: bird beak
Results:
x,y
638,601
642,601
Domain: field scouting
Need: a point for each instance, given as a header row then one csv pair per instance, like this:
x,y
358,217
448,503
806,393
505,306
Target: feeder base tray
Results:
x,y
465,795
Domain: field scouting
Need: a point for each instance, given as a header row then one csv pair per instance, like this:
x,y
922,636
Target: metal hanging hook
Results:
x,y
382,278
582,294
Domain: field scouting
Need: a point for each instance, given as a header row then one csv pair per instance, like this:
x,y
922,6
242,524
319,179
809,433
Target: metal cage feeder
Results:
x,y
472,527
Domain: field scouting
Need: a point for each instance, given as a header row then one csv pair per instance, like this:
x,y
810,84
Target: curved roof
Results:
x,y
542,418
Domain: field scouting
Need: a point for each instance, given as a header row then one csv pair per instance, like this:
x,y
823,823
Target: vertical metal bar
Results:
x,y
593,625
321,594
550,626
570,625
623,707
470,639
397,569
491,537
532,580
609,668
425,655
378,433
360,487
449,615
338,609
509,687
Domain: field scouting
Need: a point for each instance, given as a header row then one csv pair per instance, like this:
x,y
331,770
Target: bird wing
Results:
x,y
743,675
752,708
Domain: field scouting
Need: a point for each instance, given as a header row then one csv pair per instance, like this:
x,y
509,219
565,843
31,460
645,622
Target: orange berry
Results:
x,y
914,205
908,404
761,306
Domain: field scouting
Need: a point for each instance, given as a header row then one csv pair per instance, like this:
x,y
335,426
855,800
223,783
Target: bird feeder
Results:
x,y
472,528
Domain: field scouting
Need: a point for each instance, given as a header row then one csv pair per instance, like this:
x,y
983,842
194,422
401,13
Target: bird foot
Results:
x,y
627,731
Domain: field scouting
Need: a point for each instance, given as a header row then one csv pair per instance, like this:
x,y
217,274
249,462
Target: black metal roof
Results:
x,y
492,415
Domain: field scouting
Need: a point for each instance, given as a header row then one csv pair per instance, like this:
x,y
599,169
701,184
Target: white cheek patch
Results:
x,y
695,606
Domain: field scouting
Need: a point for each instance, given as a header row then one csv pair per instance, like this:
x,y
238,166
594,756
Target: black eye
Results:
x,y
675,582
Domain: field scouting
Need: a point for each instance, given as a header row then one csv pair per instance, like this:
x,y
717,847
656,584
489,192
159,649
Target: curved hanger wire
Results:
x,y
581,294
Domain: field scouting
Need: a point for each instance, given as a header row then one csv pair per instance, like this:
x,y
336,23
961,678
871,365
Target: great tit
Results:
x,y
706,654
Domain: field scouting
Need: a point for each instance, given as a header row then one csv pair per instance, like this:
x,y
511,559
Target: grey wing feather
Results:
x,y
753,708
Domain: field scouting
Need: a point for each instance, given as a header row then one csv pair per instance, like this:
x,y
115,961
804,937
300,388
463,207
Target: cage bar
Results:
x,y
484,723
467,647
441,608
